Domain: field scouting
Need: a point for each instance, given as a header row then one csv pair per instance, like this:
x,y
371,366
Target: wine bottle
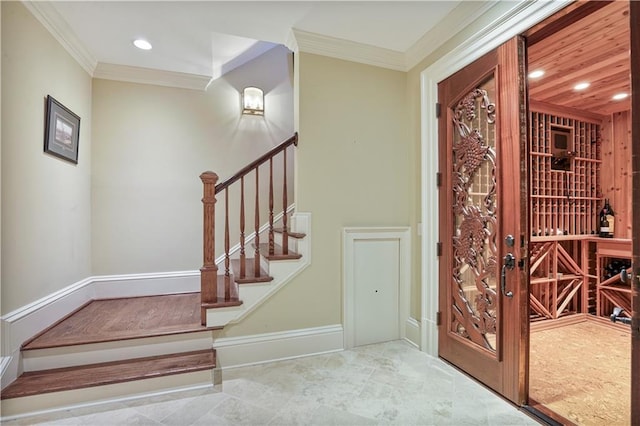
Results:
x,y
610,218
607,220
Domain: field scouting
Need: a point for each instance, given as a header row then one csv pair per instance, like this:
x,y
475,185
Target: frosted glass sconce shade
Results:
x,y
252,101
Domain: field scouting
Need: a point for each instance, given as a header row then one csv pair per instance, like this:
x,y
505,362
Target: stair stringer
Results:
x,y
282,271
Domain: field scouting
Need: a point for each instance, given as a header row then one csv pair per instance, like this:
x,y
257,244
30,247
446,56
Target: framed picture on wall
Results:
x,y
62,131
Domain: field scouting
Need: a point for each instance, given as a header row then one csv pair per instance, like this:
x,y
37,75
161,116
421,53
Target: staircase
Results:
x,y
125,347
245,281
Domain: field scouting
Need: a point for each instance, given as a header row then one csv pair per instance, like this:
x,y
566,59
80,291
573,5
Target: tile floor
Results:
x,y
383,384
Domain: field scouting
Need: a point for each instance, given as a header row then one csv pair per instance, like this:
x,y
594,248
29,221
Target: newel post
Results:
x,y
209,270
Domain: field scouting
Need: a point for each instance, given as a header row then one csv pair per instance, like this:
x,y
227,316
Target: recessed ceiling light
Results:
x,y
142,44
581,86
536,73
619,96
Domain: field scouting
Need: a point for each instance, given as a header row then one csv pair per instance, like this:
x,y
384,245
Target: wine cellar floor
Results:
x,y
582,372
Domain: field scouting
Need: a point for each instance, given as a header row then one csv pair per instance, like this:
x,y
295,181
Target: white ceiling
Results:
x,y
208,38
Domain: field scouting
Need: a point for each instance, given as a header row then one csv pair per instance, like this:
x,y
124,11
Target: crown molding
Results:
x,y
49,17
458,19
151,76
348,50
297,41
53,22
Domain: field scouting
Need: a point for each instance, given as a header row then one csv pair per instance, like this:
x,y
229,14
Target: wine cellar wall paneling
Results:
x,y
616,173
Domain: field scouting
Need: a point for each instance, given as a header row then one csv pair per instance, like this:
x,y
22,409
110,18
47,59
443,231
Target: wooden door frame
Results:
x,y
634,16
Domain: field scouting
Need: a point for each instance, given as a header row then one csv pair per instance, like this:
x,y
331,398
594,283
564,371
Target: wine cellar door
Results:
x,y
482,269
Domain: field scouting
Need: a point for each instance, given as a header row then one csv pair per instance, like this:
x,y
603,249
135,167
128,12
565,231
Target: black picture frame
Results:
x,y
62,131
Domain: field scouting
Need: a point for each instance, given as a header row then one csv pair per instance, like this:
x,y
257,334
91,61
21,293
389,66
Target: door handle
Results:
x,y
509,262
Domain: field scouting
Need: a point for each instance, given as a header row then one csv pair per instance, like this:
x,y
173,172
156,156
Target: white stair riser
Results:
x,y
293,242
68,356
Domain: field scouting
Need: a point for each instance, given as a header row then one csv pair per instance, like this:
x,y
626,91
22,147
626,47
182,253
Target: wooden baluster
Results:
x,y
227,275
285,230
256,241
243,256
209,270
271,242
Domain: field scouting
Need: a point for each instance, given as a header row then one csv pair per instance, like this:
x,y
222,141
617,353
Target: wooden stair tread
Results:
x,y
101,321
70,378
249,273
264,251
296,235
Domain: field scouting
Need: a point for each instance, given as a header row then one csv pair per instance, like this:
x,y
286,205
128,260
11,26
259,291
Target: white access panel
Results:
x,y
376,266
376,290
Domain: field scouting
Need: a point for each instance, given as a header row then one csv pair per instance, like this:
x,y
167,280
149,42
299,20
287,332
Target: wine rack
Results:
x,y
613,255
566,196
565,180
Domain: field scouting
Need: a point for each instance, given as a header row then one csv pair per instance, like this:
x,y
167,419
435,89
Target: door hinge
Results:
x,y
438,109
438,318
439,179
438,249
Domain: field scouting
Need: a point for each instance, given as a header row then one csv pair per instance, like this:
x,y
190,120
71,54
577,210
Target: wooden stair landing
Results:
x,y
64,379
121,319
160,336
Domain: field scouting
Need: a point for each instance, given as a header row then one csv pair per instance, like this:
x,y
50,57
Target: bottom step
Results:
x,y
71,378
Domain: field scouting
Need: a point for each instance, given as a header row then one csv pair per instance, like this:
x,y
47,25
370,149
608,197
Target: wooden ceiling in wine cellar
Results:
x,y
595,50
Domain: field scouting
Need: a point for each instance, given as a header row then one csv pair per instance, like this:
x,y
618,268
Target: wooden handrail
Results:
x,y
293,140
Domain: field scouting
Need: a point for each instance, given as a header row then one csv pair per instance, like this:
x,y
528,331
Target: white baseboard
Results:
x,y
132,285
257,349
429,337
412,332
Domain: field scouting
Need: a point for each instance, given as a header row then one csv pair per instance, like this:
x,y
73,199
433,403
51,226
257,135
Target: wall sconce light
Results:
x,y
252,101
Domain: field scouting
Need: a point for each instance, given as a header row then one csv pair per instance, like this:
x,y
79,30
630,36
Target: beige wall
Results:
x,y
46,238
354,168
151,143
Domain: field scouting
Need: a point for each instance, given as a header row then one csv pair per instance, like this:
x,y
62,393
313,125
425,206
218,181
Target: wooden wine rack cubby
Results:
x,y
564,202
